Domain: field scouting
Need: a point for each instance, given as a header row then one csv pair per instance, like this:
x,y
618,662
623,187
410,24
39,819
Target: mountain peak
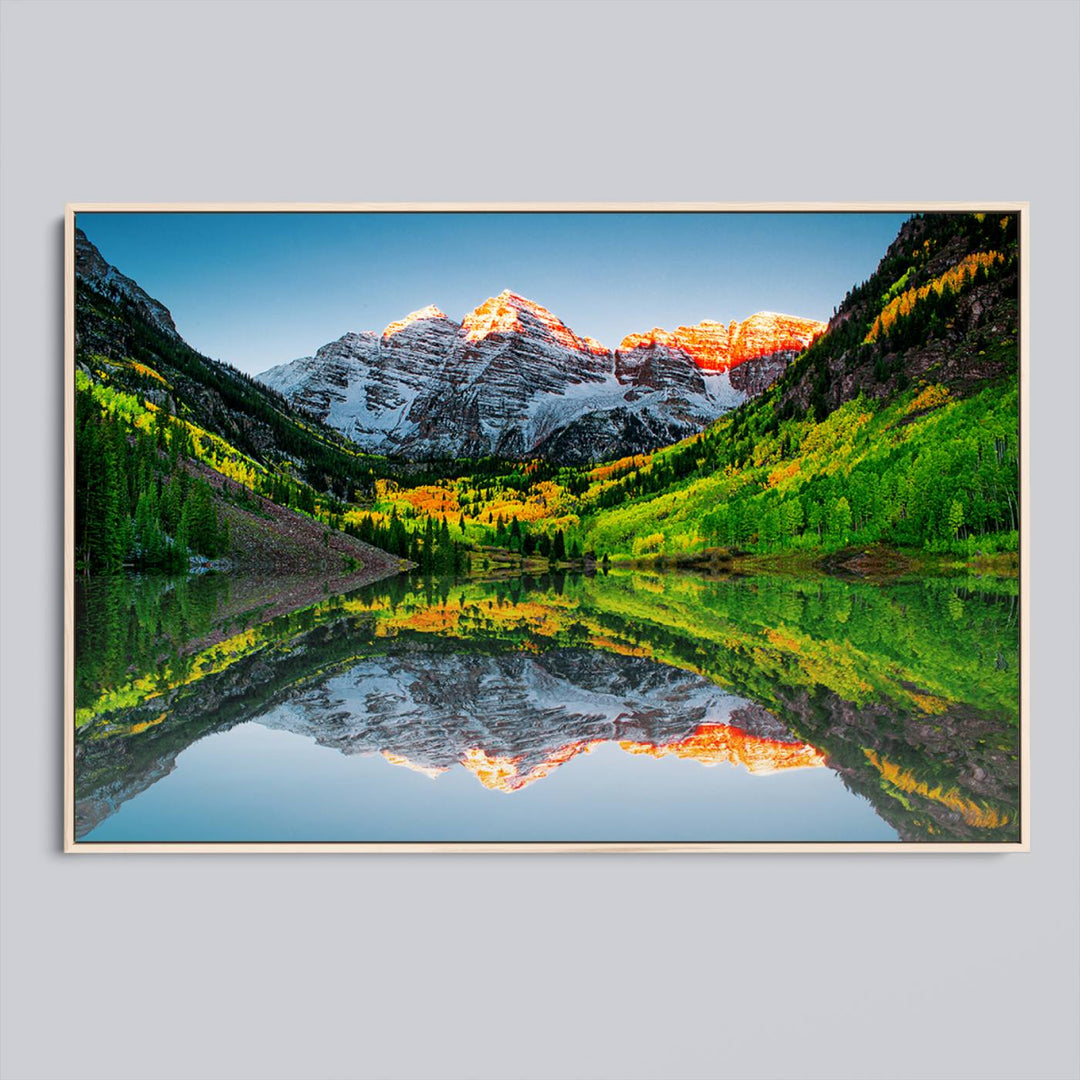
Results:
x,y
716,347
517,299
512,313
425,313
91,268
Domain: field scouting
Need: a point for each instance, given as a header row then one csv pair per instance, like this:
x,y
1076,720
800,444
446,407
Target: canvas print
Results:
x,y
545,527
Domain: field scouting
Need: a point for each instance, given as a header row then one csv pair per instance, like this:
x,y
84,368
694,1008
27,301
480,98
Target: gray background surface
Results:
x,y
668,967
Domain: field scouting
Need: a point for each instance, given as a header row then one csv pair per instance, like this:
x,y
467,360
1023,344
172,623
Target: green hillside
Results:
x,y
900,425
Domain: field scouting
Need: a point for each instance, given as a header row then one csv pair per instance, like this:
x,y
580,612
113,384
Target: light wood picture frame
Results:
x,y
906,788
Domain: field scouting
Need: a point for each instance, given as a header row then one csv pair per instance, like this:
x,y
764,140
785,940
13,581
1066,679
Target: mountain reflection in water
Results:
x,y
901,699
511,718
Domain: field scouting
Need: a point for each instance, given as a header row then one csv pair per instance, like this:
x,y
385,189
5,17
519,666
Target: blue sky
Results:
x,y
260,289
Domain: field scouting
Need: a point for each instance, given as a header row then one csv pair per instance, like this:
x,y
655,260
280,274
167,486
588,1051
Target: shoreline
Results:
x,y
872,562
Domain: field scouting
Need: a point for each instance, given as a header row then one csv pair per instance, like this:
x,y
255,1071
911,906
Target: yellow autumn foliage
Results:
x,y
952,280
782,473
931,397
974,814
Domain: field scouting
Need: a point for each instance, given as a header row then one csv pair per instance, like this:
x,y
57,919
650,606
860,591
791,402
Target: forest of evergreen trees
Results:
x,y
135,503
432,549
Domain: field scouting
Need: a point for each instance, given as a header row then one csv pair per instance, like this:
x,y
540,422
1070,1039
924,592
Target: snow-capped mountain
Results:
x,y
433,711
511,379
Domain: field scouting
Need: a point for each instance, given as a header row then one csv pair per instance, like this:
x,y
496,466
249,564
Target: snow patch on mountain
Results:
x,y
513,380
435,709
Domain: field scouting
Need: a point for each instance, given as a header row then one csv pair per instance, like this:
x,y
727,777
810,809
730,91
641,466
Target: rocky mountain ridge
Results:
x,y
92,269
122,330
431,711
513,380
716,347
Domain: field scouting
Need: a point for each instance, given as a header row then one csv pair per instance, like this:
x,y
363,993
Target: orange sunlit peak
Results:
x,y
715,744
432,772
716,347
710,744
502,315
656,336
496,315
429,312
501,773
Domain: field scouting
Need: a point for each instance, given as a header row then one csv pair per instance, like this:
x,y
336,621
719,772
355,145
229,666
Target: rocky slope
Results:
x,y
513,380
267,538
127,338
93,271
962,335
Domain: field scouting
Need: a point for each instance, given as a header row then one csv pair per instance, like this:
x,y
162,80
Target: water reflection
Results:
x,y
905,695
511,718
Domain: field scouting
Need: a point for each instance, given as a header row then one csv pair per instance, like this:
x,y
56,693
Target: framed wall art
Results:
x,y
546,527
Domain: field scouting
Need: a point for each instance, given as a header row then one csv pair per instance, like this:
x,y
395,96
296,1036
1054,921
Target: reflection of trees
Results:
x,y
125,624
903,686
909,689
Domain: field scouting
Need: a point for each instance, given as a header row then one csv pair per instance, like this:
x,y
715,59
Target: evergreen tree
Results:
x,y
558,547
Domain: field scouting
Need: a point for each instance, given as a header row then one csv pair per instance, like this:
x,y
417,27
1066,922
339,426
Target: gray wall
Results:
x,y
315,967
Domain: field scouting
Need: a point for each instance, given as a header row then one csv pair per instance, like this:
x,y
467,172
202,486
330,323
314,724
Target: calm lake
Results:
x,y
621,706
